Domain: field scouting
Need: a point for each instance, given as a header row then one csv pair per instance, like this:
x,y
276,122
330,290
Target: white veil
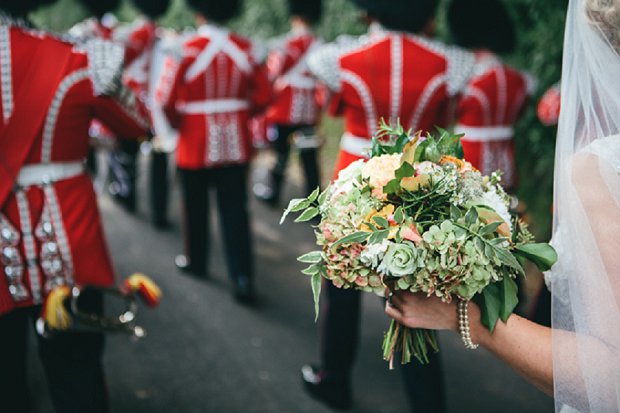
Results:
x,y
585,282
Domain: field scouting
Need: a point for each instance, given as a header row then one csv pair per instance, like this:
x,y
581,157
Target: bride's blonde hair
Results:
x,y
605,14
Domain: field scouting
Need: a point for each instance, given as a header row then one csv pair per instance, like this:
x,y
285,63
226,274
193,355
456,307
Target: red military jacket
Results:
x,y
50,230
294,87
139,45
490,106
217,85
390,75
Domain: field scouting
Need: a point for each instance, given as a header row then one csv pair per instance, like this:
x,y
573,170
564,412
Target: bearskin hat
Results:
x,y
220,11
309,10
152,8
482,24
98,8
20,8
404,15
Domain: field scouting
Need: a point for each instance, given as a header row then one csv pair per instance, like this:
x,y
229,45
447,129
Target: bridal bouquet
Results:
x,y
415,216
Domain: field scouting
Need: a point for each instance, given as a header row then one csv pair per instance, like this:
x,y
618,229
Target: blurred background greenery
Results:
x,y
540,26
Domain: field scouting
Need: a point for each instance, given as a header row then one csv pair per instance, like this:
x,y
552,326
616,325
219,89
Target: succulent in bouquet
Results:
x,y
415,216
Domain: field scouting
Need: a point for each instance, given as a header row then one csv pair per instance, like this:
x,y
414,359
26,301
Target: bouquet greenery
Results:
x,y
415,216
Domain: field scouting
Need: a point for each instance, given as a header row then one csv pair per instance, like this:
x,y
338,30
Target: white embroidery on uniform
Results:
x,y
363,91
52,114
502,94
25,221
6,75
397,77
483,100
61,233
427,94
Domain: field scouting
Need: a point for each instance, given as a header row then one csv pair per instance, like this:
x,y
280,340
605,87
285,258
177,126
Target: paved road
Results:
x,y
205,353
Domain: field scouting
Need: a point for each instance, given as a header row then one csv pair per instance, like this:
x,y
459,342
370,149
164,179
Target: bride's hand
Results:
x,y
419,311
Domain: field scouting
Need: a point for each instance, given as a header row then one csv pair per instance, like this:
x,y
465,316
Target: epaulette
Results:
x,y
324,63
105,63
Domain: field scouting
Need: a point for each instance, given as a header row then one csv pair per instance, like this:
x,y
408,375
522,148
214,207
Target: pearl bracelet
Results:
x,y
464,325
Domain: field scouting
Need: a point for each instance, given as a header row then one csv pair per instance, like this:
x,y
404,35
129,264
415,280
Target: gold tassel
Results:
x,y
55,314
146,287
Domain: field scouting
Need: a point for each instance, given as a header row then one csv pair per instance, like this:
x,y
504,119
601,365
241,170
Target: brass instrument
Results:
x,y
63,312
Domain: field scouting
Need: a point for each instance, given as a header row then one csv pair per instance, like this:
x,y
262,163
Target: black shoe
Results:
x,y
244,291
183,264
318,384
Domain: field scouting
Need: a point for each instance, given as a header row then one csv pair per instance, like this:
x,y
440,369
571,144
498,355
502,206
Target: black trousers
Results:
x,y
230,185
308,157
340,338
71,361
159,188
123,172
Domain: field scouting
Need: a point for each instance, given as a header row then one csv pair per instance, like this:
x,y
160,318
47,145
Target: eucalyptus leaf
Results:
x,y
312,270
479,245
489,229
372,226
379,236
381,221
471,217
323,197
356,237
316,293
543,255
308,214
498,241
294,205
313,257
314,195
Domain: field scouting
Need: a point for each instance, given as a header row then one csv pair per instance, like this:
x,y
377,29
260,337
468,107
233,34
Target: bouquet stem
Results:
x,y
408,342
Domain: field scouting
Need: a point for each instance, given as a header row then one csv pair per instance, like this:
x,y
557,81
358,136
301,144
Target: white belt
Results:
x,y
212,106
485,133
39,174
356,145
298,82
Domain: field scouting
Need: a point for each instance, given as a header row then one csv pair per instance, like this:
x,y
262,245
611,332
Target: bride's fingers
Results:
x,y
398,300
393,312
